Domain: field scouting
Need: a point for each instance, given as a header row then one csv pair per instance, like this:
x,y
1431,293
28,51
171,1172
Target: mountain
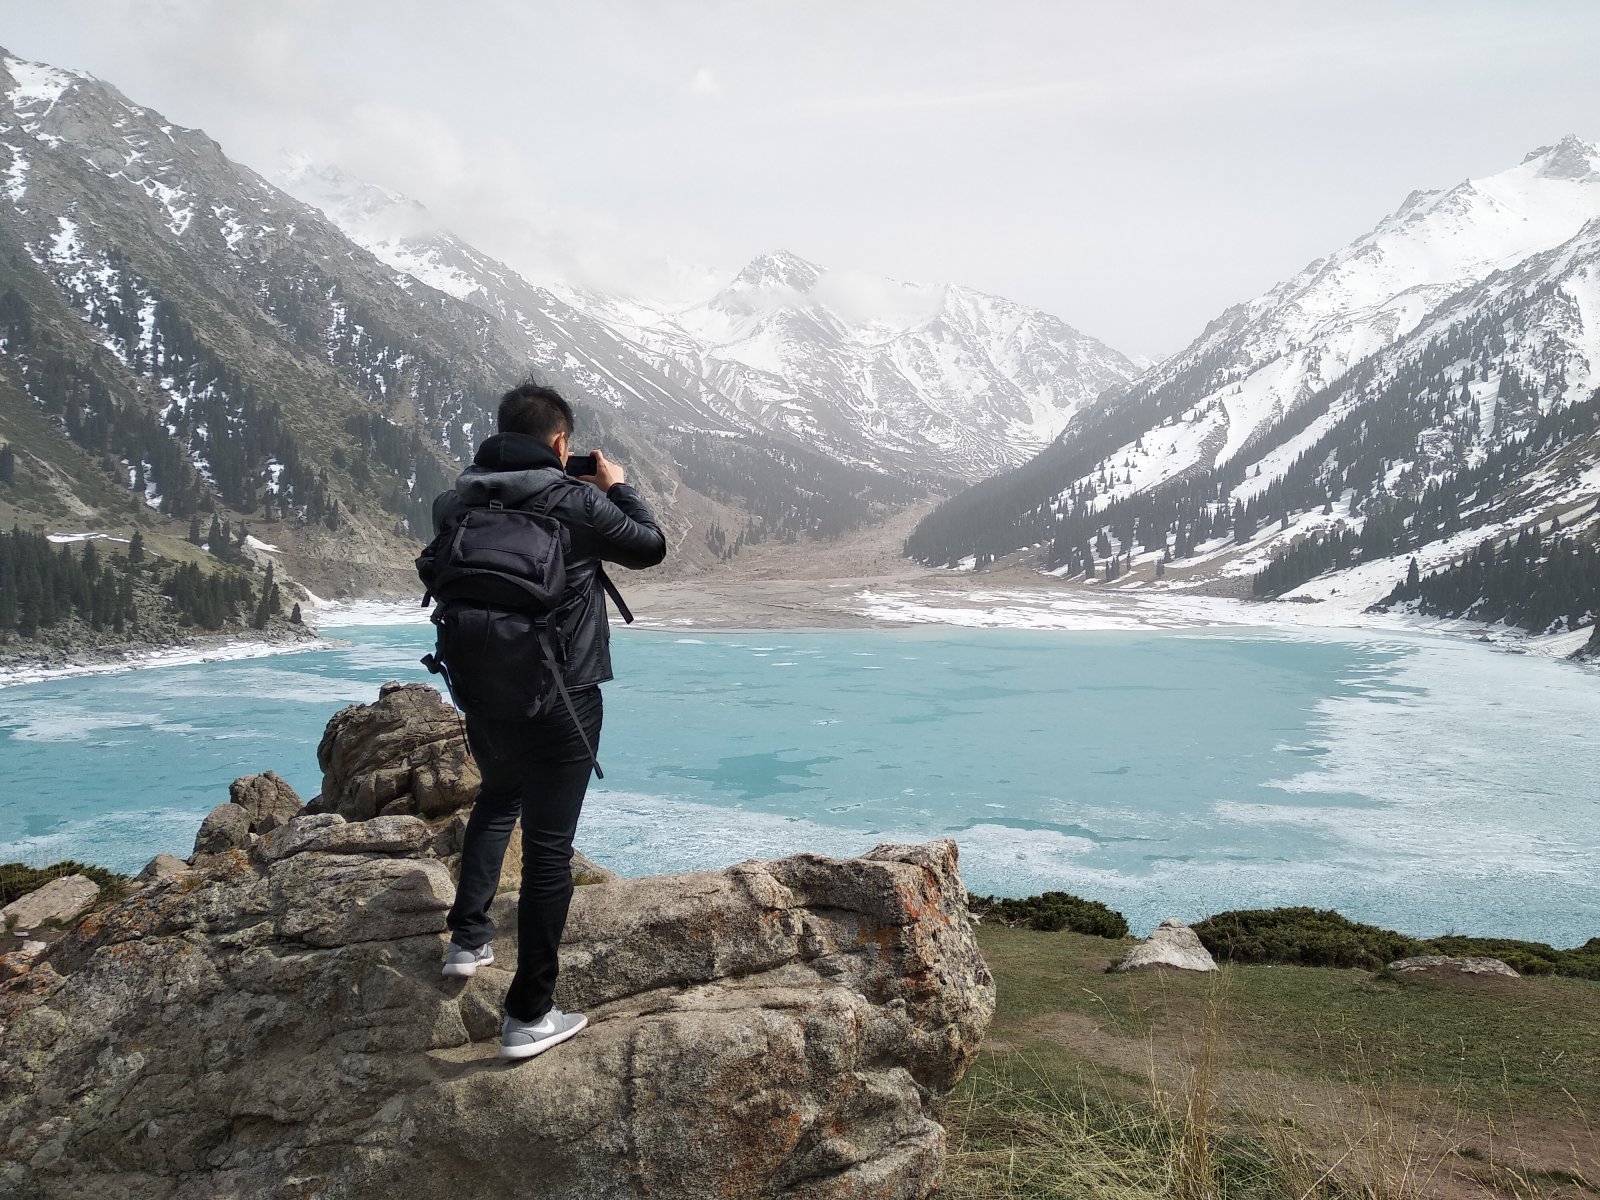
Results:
x,y
179,336
937,375
1389,381
923,381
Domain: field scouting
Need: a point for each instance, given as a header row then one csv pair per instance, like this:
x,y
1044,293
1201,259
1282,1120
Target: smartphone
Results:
x,y
579,465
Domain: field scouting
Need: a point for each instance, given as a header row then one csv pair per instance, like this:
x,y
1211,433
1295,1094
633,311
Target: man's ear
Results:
x,y
559,445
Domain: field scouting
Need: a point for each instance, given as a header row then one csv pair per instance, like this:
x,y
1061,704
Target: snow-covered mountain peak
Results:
x,y
1570,158
34,85
778,269
372,213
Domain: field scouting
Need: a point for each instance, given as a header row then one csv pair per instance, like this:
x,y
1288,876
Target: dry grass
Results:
x,y
1280,1086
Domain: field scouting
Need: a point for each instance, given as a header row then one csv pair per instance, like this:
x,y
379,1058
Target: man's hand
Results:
x,y
607,473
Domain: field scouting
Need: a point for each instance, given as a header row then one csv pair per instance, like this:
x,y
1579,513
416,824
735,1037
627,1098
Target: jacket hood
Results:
x,y
511,468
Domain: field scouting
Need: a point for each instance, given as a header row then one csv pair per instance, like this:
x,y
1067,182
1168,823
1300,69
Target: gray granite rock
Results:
x,y
267,799
1171,944
60,901
161,866
226,827
272,1022
1444,964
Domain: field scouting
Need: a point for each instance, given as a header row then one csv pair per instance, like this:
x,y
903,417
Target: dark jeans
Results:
x,y
538,770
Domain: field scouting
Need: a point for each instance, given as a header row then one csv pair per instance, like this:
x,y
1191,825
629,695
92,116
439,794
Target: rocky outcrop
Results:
x,y
267,800
404,755
59,901
1440,965
161,866
226,827
271,1022
1171,944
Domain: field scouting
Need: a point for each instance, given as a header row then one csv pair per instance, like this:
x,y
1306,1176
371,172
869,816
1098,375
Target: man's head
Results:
x,y
537,411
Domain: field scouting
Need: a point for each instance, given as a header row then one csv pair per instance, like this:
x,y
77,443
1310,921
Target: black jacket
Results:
x,y
618,527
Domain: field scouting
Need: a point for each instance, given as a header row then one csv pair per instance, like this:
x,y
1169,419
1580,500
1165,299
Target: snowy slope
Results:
x,y
583,350
1378,381
914,378
1262,360
939,373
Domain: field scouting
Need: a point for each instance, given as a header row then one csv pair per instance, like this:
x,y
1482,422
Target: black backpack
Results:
x,y
498,574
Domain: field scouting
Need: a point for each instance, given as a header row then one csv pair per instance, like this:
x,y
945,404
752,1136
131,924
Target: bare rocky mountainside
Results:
x,y
268,1018
1424,389
178,336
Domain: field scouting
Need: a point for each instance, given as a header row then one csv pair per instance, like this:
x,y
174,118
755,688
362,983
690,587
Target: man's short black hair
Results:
x,y
536,410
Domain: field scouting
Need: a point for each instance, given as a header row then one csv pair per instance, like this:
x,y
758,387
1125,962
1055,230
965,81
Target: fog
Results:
x,y
1132,168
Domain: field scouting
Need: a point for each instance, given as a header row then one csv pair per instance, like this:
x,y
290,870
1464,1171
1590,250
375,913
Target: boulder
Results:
x,y
267,798
60,901
1170,944
19,959
161,866
404,755
1444,964
585,871
273,1022
226,827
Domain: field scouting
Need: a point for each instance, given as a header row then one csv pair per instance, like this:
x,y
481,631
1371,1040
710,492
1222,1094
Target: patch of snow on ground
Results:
x,y
178,656
15,184
36,83
60,538
66,247
256,543
337,614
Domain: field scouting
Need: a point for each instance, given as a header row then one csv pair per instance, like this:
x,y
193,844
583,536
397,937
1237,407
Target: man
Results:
x,y
538,767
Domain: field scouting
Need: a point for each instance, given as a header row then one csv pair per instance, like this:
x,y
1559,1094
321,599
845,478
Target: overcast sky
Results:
x,y
1131,167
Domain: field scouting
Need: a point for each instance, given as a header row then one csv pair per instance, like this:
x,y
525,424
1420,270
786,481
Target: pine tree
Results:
x,y
136,549
8,464
295,618
194,529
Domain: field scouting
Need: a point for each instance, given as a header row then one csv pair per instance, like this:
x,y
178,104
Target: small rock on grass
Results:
x,y
1443,964
1171,944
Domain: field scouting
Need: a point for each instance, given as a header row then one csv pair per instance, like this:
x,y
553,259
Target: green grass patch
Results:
x,y
1270,1081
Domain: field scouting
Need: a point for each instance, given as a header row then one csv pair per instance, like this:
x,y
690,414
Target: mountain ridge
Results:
x,y
1415,419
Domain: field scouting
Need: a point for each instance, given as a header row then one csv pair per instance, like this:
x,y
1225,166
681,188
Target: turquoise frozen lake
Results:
x,y
1423,783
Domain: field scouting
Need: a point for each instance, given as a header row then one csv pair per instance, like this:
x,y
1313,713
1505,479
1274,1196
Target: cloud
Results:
x,y
704,83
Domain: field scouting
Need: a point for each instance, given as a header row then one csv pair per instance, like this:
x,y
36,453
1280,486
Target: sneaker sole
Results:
x,y
539,1047
465,970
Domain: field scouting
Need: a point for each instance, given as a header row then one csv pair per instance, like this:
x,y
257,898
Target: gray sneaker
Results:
x,y
524,1039
461,962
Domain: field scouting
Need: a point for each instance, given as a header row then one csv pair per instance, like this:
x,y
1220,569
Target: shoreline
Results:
x,y
751,606
135,656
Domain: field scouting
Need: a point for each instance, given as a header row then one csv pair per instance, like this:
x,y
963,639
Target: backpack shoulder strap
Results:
x,y
566,698
623,610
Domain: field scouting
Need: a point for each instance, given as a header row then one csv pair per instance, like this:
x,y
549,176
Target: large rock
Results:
x,y
226,827
59,901
1170,944
267,799
1445,965
403,755
161,866
272,1022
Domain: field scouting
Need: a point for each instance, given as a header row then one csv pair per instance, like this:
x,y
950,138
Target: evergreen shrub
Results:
x,y
1307,937
1052,912
18,879
1311,937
